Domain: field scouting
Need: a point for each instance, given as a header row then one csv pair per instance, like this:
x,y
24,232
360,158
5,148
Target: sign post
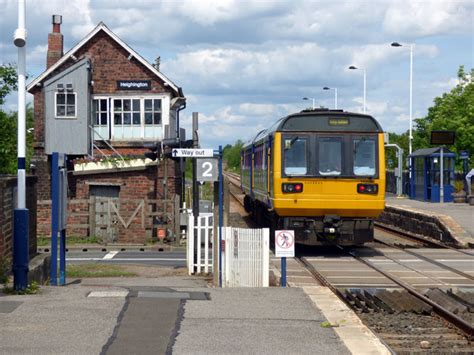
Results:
x,y
284,247
58,218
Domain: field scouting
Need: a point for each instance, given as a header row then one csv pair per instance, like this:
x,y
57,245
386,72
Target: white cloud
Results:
x,y
257,109
425,18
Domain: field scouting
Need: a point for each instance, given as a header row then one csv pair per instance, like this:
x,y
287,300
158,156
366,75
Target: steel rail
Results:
x,y
432,261
452,318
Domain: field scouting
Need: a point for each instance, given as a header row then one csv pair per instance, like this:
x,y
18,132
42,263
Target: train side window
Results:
x,y
330,156
364,156
295,162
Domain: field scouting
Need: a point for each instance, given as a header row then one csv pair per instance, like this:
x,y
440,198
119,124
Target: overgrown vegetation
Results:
x,y
44,241
5,267
98,270
32,289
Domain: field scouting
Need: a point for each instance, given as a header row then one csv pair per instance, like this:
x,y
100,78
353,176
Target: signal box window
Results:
x,y
364,157
330,156
65,105
295,161
152,112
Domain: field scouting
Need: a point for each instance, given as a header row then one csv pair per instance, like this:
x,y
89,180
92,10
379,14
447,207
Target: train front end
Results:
x,y
329,177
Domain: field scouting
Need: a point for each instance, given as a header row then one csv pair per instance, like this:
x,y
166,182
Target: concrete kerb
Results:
x,y
434,225
354,334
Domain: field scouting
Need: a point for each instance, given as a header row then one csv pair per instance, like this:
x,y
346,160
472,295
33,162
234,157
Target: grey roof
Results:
x,y
429,151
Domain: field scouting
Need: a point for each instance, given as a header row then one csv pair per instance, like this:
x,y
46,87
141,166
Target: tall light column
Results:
x,y
352,67
20,214
410,136
335,95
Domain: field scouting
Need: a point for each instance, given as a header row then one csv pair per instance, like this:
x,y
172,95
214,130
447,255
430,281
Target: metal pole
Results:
x,y
313,104
335,98
364,89
220,214
410,137
400,172
441,177
54,218
21,220
195,205
283,272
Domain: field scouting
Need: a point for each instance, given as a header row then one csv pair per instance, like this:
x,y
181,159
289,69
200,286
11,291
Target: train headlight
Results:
x,y
292,187
372,189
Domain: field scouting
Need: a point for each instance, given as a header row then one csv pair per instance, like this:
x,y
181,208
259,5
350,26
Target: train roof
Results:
x,y
322,120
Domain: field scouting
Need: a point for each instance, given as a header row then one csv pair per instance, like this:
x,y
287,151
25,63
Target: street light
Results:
x,y
309,98
335,95
410,137
352,67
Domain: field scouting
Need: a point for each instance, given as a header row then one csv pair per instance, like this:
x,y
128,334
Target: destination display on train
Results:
x,y
338,121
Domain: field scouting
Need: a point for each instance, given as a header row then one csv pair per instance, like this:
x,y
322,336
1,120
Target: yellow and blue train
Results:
x,y
319,172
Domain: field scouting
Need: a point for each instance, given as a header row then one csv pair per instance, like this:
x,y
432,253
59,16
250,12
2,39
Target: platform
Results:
x,y
444,221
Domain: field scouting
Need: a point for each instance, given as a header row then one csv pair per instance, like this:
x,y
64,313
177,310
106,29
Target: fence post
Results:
x,y
190,249
266,256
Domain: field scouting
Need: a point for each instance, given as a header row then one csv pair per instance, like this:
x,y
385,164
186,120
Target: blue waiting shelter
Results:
x,y
425,175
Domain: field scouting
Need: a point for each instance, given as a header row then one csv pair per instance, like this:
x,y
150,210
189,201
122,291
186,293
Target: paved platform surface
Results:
x,y
462,213
178,315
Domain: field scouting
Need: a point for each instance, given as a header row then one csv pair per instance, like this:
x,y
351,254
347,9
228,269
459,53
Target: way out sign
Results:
x,y
285,244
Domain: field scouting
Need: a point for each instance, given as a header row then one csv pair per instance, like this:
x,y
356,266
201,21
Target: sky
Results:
x,y
244,64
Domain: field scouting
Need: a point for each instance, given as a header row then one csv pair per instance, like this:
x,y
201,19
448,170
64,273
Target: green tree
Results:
x,y
8,124
8,80
232,156
401,140
453,111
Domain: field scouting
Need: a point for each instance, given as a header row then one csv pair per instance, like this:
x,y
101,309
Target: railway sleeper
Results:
x,y
464,298
381,305
446,301
353,300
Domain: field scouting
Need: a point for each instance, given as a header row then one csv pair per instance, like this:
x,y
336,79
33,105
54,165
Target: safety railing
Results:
x,y
199,248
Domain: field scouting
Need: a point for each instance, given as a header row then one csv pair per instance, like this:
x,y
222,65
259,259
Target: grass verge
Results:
x,y
98,270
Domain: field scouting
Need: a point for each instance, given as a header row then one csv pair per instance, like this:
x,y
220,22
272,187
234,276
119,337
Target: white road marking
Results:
x,y
101,294
110,255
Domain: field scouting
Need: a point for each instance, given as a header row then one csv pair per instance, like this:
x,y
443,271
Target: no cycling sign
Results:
x,y
285,243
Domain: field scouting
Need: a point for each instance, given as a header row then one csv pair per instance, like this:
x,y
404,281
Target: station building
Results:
x,y
104,105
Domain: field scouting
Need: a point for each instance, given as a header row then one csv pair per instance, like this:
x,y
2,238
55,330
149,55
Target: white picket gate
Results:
x,y
200,237
245,257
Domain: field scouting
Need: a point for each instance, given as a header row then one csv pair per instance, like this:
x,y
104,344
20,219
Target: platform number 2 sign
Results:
x,y
207,169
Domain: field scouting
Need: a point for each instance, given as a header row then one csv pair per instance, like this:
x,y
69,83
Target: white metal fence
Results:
x,y
245,257
200,244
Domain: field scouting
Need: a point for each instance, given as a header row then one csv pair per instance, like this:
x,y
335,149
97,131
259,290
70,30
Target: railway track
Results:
x,y
402,294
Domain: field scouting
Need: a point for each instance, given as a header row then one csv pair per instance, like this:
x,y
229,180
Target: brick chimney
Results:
x,y
55,42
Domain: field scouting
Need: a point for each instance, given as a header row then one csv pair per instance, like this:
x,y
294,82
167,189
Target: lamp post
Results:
x,y
21,214
335,95
352,67
410,137
309,98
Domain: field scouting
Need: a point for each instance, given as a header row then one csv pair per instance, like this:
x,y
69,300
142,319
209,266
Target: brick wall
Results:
x,y
7,206
134,185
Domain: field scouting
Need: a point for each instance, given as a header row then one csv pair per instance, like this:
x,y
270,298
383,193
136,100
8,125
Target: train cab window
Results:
x,y
330,156
295,162
364,156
